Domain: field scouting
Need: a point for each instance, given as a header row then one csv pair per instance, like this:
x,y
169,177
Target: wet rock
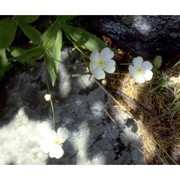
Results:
x,y
146,36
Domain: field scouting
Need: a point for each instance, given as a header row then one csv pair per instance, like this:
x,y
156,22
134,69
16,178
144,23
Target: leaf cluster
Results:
x,y
46,45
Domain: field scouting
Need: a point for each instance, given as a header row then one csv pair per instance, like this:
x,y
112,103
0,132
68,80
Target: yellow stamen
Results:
x,y
56,141
139,70
101,63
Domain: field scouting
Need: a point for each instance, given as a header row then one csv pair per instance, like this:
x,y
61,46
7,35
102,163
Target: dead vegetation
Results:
x,y
155,106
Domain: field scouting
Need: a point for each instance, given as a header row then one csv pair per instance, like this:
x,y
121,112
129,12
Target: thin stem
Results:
x,y
53,113
52,106
77,75
135,103
101,86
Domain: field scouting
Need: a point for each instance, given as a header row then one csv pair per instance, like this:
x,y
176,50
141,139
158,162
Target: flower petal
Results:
x,y
63,134
45,146
47,97
132,70
139,78
56,152
148,75
98,73
93,66
110,66
147,65
137,62
106,53
94,56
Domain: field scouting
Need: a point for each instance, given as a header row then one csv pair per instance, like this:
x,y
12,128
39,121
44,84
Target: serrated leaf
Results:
x,y
30,56
31,32
52,42
157,62
4,64
83,39
27,19
8,28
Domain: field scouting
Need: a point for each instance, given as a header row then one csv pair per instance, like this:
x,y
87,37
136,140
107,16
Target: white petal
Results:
x,y
148,75
47,97
45,145
94,56
93,66
48,140
98,73
52,134
139,78
56,152
147,65
132,70
137,62
106,53
110,66
63,134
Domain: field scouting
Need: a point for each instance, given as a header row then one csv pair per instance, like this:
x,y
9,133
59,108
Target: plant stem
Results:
x,y
53,114
52,106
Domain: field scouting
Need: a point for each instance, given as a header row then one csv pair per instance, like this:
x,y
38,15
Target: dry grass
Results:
x,y
156,108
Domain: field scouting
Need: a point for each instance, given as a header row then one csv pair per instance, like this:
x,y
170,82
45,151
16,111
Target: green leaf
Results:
x,y
49,37
83,39
4,64
26,19
29,56
50,65
65,19
8,28
16,51
157,62
52,42
31,32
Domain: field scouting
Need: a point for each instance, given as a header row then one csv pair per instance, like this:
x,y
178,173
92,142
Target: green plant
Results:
x,y
46,45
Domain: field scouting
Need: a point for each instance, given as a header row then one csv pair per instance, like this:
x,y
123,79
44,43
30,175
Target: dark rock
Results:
x,y
146,36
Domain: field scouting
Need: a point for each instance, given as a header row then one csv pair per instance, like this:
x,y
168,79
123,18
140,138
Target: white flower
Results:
x,y
141,71
100,62
54,142
47,97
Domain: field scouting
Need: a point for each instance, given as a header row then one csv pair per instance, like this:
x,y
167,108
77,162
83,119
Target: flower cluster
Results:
x,y
102,62
54,142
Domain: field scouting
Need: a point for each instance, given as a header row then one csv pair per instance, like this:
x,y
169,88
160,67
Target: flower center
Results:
x,y
56,141
139,70
101,63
